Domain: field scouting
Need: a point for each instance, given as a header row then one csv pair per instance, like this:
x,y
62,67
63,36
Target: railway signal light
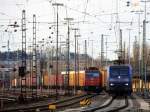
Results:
x,y
50,66
15,30
14,69
22,71
128,3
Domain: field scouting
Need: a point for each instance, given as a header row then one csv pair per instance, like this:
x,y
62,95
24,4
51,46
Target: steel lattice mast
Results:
x,y
22,69
34,56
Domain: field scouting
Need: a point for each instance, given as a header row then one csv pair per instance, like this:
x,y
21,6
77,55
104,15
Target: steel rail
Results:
x,y
70,103
33,107
100,107
121,107
107,105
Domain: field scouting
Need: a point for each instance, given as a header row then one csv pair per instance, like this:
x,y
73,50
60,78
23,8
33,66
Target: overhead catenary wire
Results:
x,y
88,14
85,9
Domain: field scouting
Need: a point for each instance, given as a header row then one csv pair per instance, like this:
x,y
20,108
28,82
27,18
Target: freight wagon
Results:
x,y
104,77
80,80
30,82
75,79
50,80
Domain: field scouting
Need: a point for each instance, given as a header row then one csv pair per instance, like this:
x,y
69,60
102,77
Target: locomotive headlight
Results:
x,y
111,84
126,84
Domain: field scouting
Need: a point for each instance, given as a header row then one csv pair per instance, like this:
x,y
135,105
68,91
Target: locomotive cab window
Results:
x,y
114,72
124,71
92,74
119,71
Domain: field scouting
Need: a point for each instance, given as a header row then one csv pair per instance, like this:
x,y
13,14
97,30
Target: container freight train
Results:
x,y
119,79
75,79
90,80
45,81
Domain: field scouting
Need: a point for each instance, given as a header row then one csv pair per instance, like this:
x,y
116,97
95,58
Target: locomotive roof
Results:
x,y
120,65
64,72
127,65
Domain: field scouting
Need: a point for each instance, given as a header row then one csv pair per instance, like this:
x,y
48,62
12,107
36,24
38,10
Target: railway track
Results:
x,y
63,105
113,105
12,101
118,108
44,106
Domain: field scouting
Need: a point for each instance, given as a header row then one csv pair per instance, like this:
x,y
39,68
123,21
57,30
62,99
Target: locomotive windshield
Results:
x,y
92,74
122,71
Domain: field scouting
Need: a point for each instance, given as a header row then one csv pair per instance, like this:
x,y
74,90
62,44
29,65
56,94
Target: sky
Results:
x,y
92,17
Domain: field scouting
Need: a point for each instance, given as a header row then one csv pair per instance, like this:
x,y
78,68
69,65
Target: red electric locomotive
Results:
x,y
93,80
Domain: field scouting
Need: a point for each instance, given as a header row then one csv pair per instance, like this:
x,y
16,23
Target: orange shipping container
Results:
x,y
104,77
79,80
82,78
72,78
51,80
46,78
14,82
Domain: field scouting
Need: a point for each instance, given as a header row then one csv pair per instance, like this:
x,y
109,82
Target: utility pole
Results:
x,y
30,58
139,34
48,68
102,50
139,12
144,67
120,45
34,57
78,60
85,54
92,55
106,52
68,56
118,29
22,69
42,62
124,52
92,63
49,64
75,36
8,53
57,5
129,45
143,52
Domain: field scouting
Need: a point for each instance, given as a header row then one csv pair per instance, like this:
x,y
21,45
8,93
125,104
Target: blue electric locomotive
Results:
x,y
119,79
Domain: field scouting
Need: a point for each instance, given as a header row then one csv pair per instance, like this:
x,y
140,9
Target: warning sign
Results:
x,y
52,107
85,102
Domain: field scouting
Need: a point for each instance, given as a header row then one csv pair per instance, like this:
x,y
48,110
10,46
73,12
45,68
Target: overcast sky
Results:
x,y
92,17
